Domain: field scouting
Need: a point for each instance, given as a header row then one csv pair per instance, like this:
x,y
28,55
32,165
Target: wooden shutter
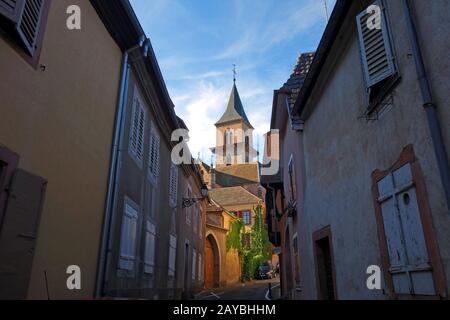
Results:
x,y
409,261
173,185
137,131
150,241
172,254
153,161
19,232
375,47
128,238
194,263
200,267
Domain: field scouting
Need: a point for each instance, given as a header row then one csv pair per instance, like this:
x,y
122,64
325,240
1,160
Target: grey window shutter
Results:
x,y
26,17
19,232
29,24
375,47
12,9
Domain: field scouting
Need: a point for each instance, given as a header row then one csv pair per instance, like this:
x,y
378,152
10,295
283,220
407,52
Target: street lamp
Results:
x,y
187,202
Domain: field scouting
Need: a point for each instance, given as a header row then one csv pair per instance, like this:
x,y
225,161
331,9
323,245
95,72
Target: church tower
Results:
x,y
234,134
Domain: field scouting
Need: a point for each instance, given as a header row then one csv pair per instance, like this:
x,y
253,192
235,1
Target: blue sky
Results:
x,y
197,41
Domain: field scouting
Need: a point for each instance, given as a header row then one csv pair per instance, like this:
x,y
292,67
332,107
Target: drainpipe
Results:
x,y
113,180
428,104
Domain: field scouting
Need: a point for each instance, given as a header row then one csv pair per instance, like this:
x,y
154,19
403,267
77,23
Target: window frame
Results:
x,y
244,212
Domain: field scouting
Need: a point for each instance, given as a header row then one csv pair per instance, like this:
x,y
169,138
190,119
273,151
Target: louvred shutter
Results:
x,y
375,46
11,9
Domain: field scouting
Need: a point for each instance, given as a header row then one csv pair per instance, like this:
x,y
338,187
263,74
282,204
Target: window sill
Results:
x,y
376,102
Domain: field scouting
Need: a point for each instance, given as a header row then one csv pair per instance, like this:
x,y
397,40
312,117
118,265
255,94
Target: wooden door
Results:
x,y
209,264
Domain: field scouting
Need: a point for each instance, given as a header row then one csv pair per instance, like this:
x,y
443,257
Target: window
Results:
x,y
153,157
128,235
194,263
24,20
247,149
229,137
200,267
189,209
150,242
377,53
292,180
196,219
172,255
137,130
246,216
200,223
173,185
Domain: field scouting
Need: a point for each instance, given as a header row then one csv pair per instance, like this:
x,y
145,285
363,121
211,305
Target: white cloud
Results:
x,y
267,28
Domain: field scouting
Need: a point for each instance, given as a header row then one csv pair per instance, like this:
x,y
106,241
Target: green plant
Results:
x,y
259,248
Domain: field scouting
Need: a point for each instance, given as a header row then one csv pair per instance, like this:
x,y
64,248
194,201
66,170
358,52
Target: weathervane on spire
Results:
x,y
234,73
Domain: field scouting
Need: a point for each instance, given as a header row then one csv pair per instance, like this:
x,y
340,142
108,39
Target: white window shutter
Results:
x,y
194,263
137,130
153,162
172,254
375,47
128,237
408,255
150,242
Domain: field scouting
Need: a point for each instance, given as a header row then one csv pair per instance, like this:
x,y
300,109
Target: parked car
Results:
x,y
264,272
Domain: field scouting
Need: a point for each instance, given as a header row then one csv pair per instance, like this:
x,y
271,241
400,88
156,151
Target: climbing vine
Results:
x,y
254,252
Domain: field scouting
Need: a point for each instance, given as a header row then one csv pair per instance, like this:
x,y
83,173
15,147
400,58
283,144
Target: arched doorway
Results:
x,y
212,266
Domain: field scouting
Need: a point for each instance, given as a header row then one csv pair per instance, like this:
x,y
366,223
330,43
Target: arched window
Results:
x,y
229,137
247,149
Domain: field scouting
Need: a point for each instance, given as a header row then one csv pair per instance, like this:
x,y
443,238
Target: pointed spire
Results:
x,y
235,110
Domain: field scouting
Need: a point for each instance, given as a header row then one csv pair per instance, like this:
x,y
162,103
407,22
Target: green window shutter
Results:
x,y
375,47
